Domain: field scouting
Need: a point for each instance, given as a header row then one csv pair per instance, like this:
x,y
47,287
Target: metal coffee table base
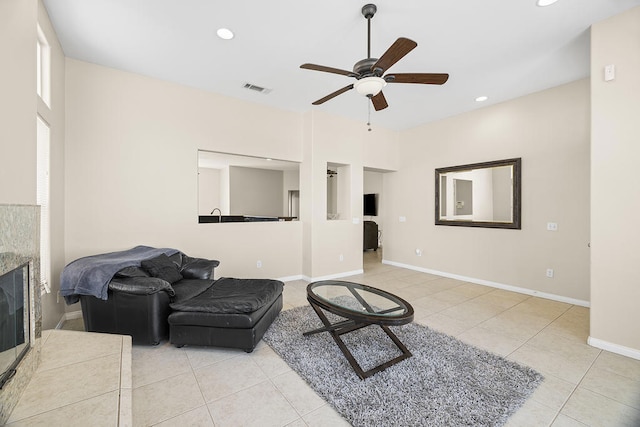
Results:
x,y
347,326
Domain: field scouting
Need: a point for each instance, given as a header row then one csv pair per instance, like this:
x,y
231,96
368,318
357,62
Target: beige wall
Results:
x,y
131,164
335,247
130,170
256,191
615,200
131,155
52,306
19,106
18,101
549,130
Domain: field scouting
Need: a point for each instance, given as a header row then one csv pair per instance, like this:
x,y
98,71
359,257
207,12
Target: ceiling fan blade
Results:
x,y
333,95
328,69
379,101
421,78
395,53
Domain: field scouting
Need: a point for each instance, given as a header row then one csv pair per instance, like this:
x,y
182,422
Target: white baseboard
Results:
x,y
511,288
333,276
69,316
291,278
73,315
614,348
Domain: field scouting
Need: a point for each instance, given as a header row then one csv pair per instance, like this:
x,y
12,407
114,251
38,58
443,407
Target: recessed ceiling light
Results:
x,y
543,3
482,98
225,33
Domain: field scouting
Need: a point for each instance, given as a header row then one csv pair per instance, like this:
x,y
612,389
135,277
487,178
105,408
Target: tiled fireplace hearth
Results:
x,y
19,245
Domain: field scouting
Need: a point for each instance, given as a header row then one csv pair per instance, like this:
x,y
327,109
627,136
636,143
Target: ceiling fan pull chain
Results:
x,y
369,119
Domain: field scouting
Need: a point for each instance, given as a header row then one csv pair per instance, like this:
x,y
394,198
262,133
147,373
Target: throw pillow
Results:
x,y
132,272
163,268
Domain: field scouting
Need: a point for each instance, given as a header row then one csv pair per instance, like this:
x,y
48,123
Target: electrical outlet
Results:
x,y
552,226
419,252
549,272
259,264
341,257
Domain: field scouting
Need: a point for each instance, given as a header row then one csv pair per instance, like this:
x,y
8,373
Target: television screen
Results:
x,y
370,205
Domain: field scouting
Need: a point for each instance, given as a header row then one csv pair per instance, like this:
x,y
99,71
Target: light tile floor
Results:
x,y
583,386
83,379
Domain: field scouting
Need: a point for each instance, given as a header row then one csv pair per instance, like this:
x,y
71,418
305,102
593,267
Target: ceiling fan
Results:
x,y
369,71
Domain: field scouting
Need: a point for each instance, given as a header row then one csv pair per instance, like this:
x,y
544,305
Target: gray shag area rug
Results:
x,y
445,383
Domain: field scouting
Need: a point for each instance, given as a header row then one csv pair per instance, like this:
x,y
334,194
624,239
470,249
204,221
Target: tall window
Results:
x,y
42,199
43,60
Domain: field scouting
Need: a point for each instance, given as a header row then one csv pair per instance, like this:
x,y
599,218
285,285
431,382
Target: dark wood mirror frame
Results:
x,y
516,163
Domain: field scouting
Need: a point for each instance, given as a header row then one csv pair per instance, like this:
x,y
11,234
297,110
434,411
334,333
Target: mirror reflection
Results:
x,y
479,195
237,188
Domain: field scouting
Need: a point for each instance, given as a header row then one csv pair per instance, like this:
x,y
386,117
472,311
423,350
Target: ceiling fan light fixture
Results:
x,y
370,86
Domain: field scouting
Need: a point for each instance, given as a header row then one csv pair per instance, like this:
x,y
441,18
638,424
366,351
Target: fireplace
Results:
x,y
14,320
20,302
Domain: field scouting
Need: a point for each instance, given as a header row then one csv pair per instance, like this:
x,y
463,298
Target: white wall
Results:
x,y
482,195
131,169
501,194
615,200
208,190
291,182
549,130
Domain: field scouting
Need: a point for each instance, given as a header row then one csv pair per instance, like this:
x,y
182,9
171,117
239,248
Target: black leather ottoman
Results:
x,y
232,313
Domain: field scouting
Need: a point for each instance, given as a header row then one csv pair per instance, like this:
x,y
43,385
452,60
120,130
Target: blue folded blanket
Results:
x,y
91,275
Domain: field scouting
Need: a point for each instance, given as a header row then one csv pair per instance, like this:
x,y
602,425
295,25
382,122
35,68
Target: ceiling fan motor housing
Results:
x,y
363,67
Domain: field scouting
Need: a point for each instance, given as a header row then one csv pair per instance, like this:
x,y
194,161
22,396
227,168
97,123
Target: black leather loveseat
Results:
x,y
177,297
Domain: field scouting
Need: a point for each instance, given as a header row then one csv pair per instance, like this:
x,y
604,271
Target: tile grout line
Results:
x,y
204,399
576,387
526,342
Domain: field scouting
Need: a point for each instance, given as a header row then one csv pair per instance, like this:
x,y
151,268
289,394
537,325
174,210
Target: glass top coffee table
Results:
x,y
361,306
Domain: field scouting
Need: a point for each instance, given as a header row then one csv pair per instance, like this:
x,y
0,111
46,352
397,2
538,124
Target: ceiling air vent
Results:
x,y
256,88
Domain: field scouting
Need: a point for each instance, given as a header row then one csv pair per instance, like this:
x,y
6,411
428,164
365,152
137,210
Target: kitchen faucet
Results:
x,y
219,214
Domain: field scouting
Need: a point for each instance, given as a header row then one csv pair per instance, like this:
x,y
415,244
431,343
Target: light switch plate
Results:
x,y
609,72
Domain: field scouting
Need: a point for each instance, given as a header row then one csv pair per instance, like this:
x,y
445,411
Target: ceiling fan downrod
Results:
x,y
368,10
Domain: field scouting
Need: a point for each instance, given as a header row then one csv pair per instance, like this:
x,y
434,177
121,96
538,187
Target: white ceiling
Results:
x,y
499,48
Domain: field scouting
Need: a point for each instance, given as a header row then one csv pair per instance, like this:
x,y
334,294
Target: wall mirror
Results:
x,y
238,188
479,195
